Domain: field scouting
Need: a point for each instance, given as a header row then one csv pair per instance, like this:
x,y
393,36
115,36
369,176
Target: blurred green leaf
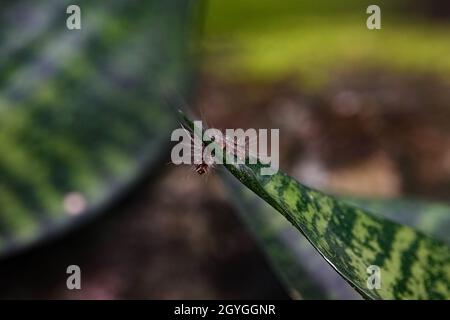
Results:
x,y
83,112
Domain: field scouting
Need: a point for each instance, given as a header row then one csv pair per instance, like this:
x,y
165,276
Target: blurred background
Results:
x,y
86,117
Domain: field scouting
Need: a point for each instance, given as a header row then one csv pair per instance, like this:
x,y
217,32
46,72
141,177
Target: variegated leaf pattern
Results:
x,y
305,274
82,112
301,269
413,266
351,239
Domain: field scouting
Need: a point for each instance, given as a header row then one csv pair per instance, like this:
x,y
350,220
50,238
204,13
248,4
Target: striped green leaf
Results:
x,y
83,112
300,267
412,265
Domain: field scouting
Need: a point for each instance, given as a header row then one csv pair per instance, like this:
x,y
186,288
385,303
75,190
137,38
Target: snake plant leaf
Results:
x,y
83,112
300,267
412,265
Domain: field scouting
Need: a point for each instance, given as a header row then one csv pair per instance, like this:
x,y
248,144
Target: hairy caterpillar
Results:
x,y
226,143
236,147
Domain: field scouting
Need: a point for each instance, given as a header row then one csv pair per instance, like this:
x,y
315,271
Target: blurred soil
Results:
x,y
369,134
165,241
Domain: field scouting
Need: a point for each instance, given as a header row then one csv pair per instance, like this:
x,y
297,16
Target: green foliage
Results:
x,y
313,40
304,272
82,111
413,265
